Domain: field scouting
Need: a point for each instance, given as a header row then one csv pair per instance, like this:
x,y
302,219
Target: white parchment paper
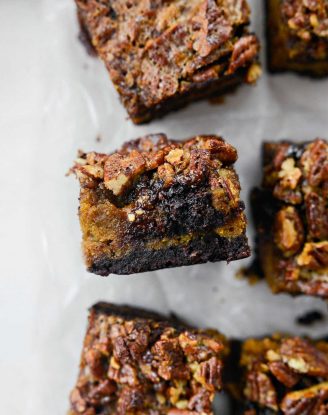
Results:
x,y
56,99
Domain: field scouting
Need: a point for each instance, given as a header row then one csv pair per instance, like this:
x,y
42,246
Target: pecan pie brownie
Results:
x,y
284,375
162,54
136,362
297,32
291,216
160,203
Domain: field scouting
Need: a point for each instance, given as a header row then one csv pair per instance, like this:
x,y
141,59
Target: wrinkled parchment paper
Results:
x,y
56,99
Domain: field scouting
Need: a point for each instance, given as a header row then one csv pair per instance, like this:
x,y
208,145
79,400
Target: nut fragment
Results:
x,y
253,73
288,231
317,216
284,374
120,170
166,173
315,162
260,389
314,256
289,175
301,356
309,401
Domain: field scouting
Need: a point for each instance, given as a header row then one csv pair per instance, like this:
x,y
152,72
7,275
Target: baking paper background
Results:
x,y
55,99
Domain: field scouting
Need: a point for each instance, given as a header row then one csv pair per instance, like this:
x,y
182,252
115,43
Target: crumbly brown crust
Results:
x,y
154,195
291,214
160,54
285,375
136,362
298,36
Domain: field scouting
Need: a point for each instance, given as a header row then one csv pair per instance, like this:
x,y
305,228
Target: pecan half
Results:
x,y
288,231
259,389
309,401
244,52
315,162
302,357
284,374
317,215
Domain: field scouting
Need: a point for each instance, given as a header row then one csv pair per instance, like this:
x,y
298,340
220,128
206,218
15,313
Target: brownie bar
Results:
x,y
297,33
136,362
160,203
291,217
161,55
284,375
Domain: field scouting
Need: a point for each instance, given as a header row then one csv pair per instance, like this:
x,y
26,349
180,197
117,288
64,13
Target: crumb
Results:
x,y
310,318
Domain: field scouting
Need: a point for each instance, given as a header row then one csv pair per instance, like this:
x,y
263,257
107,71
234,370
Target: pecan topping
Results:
x,y
315,162
314,256
244,52
261,390
302,357
317,216
309,401
143,365
288,231
120,171
284,374
215,28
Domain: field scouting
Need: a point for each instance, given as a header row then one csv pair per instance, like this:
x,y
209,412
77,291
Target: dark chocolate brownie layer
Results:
x,y
210,248
161,55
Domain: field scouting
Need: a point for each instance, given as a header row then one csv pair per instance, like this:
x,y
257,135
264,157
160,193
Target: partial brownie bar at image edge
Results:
x,y
297,35
159,203
137,362
283,375
161,55
291,216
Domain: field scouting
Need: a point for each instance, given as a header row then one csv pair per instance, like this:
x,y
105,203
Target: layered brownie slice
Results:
x,y
136,362
285,376
297,32
291,216
160,203
163,54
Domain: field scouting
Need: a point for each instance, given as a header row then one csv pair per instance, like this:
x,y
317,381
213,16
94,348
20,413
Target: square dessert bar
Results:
x,y
163,54
291,216
284,375
159,203
136,362
297,32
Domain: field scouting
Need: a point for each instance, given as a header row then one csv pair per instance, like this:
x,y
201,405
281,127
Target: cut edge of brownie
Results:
x,y
212,248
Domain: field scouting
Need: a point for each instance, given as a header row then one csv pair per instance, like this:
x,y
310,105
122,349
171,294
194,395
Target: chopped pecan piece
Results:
x,y
259,388
284,374
317,215
120,170
288,231
314,256
311,401
301,356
